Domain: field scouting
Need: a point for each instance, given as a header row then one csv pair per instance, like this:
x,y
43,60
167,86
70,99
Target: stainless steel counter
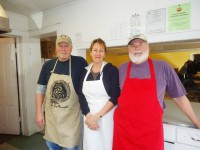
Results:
x,y
174,116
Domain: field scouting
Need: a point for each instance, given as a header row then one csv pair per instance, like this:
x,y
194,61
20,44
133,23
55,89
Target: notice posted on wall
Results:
x,y
179,17
136,25
156,21
78,39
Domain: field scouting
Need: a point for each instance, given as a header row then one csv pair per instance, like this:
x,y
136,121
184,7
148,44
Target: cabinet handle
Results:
x,y
195,139
169,142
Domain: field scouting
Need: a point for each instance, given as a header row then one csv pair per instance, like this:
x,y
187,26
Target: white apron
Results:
x,y
62,110
97,97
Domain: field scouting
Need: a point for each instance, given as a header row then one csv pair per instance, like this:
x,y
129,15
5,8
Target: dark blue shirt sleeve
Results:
x,y
111,82
46,72
82,100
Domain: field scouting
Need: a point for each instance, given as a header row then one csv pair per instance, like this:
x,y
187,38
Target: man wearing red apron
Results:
x,y
138,118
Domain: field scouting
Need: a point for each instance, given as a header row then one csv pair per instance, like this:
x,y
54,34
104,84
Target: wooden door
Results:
x,y
9,103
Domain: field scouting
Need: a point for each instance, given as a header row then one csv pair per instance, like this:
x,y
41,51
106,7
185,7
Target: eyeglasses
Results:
x,y
139,45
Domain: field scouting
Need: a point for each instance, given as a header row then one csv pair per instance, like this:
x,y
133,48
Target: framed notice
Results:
x,y
156,21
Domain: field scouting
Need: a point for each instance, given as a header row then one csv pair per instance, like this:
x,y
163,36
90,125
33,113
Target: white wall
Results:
x,y
94,19
18,24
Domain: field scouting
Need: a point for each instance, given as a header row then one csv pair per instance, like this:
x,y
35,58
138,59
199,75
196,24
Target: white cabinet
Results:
x,y
181,138
188,136
169,137
169,146
169,133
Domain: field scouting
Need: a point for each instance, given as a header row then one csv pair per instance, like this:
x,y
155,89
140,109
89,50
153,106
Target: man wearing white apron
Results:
x,y
59,80
100,90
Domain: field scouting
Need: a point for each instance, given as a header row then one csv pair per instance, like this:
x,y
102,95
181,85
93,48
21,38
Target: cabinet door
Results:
x,y
185,147
169,146
169,133
188,136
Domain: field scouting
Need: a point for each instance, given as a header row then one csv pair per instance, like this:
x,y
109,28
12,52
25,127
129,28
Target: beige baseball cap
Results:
x,y
63,38
137,36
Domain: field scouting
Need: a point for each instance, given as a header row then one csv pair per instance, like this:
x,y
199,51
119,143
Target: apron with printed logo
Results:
x,y
138,118
62,110
97,97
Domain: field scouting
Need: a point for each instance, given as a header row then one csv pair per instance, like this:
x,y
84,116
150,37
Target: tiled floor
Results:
x,y
6,137
33,142
6,146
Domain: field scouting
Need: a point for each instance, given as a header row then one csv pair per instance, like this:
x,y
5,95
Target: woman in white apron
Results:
x,y
98,97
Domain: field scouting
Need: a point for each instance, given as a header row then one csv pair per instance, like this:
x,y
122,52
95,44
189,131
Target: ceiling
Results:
x,y
29,7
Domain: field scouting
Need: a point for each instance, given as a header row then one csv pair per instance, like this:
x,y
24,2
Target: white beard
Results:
x,y
138,56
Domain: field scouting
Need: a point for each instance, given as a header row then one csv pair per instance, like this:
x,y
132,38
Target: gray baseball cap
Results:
x,y
137,36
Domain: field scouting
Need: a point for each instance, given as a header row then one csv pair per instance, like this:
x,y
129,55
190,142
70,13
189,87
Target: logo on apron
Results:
x,y
60,93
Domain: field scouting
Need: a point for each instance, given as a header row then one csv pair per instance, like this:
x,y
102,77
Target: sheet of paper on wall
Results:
x,y
136,24
179,17
118,30
78,39
156,21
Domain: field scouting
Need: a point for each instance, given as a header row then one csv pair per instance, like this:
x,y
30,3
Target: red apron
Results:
x,y
138,118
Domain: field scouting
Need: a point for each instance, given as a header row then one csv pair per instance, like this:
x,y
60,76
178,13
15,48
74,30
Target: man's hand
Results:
x,y
39,119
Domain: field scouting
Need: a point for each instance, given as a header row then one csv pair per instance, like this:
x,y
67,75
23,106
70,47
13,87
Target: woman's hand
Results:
x,y
91,121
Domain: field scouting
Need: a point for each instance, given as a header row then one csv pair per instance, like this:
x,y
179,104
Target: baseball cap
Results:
x,y
137,36
63,38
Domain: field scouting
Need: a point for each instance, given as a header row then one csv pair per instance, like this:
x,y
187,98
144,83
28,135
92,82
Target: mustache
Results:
x,y
136,52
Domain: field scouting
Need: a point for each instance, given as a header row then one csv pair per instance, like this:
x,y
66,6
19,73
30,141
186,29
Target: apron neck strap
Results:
x,y
101,70
151,68
69,66
129,69
54,66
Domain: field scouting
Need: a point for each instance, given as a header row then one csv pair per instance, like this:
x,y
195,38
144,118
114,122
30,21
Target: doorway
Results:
x,y
47,44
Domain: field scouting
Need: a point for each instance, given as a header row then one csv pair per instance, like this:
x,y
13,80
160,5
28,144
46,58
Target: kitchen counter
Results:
x,y
174,116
